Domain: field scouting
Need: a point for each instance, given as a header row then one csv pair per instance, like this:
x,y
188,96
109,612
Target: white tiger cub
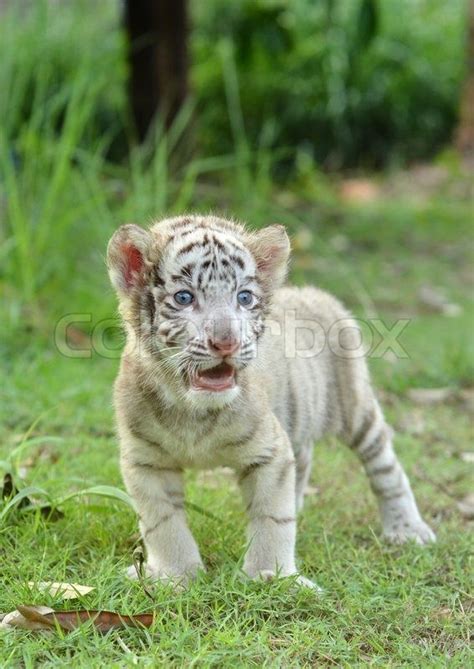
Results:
x,y
215,373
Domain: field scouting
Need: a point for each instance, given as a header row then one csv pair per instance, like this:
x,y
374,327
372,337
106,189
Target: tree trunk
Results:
x,y
157,32
465,131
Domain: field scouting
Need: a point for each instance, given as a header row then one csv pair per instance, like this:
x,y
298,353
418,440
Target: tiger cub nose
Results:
x,y
224,347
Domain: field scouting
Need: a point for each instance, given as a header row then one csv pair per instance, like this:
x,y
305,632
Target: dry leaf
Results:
x,y
17,619
435,300
426,396
44,618
65,590
466,507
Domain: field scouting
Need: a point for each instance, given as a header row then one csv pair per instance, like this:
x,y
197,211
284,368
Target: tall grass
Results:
x,y
350,82
50,151
70,173
62,192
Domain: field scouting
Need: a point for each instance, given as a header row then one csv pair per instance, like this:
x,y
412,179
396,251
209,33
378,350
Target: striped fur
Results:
x,y
294,383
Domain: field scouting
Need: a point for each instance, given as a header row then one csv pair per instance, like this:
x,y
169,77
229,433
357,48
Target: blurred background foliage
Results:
x,y
287,99
349,82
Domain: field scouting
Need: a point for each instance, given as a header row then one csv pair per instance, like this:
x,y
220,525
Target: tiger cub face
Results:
x,y
194,293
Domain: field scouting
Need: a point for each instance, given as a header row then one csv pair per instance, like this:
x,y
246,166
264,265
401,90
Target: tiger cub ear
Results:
x,y
271,249
127,253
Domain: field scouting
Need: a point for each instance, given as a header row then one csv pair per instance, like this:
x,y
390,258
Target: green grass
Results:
x,y
61,196
382,606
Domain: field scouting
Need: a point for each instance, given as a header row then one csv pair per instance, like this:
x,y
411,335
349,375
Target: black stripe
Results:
x,y
150,306
280,521
176,329
162,520
389,495
188,269
175,494
236,246
182,224
361,434
387,469
237,260
167,306
155,468
375,449
219,244
189,247
157,279
243,440
285,468
291,407
264,460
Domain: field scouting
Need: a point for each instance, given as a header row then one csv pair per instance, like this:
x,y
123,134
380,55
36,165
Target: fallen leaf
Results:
x,y
466,507
65,590
17,619
44,618
435,300
426,396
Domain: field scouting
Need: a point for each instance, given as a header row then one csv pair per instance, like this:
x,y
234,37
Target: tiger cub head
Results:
x,y
194,292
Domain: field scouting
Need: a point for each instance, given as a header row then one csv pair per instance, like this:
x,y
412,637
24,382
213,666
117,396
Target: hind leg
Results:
x,y
372,442
304,459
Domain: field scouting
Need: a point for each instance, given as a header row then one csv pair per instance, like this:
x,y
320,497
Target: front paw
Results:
x,y
299,580
177,578
408,530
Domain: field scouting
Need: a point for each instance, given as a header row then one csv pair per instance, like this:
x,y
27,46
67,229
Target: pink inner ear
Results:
x,y
133,263
266,262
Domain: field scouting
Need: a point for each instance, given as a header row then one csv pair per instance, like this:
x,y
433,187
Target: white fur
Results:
x,y
265,426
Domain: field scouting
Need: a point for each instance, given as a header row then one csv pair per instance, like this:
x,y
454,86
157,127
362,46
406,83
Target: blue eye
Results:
x,y
183,297
245,298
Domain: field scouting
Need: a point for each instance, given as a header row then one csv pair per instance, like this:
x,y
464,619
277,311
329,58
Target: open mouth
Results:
x,y
215,379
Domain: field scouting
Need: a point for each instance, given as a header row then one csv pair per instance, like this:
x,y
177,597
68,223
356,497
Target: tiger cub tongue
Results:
x,y
216,379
